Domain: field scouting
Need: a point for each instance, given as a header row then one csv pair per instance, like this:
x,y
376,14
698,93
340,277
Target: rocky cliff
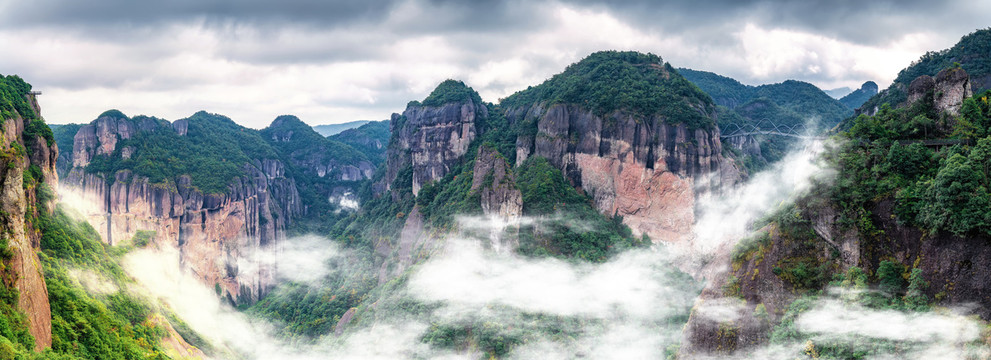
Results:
x,y
945,92
25,157
216,233
431,139
493,181
969,54
642,168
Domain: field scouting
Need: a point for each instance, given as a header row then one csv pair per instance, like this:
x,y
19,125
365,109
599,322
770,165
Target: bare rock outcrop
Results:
x,y
493,181
946,91
431,140
644,169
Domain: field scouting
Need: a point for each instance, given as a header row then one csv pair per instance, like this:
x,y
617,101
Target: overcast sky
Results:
x,y
335,61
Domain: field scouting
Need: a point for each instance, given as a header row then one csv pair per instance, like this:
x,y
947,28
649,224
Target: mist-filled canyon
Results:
x,y
545,180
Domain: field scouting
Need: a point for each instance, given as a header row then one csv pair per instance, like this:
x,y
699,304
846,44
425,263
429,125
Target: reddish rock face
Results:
x,y
211,231
644,169
24,267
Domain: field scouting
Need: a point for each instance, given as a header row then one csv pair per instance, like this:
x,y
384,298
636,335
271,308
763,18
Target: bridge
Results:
x,y
767,128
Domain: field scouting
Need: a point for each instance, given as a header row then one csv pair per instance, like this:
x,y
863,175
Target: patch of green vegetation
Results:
x,y
937,188
13,98
793,102
364,138
572,226
450,91
633,82
114,325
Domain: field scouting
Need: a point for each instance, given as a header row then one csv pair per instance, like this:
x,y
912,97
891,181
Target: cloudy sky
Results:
x,y
335,61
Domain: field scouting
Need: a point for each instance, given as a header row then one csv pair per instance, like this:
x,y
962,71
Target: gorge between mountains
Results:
x,y
601,213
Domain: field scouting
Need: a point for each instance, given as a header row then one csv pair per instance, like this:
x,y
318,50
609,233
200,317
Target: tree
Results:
x,y
889,276
956,201
915,298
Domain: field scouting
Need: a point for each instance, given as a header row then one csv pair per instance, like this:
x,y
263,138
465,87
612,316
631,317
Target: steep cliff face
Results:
x,y
22,269
946,91
493,181
642,168
642,144
431,139
214,232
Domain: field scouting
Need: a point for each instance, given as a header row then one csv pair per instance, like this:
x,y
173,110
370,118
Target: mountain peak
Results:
x,y
451,90
628,81
113,113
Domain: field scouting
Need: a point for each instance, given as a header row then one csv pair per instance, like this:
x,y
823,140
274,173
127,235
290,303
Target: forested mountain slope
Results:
x,y
903,225
972,53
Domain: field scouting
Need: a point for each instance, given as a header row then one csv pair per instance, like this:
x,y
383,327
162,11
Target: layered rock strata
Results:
x,y
644,169
218,235
431,140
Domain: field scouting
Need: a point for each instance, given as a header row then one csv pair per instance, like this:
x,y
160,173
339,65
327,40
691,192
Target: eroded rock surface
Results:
x,y
23,269
644,169
211,231
431,139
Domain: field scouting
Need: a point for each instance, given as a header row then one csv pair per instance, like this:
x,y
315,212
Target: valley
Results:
x,y
605,212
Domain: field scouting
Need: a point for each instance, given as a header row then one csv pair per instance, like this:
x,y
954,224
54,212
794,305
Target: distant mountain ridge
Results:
x,y
797,99
790,103
334,129
858,97
838,93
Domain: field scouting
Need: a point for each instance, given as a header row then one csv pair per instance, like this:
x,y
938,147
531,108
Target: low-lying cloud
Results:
x,y
632,306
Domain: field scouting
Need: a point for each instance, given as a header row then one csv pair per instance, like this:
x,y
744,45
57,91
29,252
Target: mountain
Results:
x,y
858,97
902,227
203,184
631,132
45,252
371,139
64,135
789,105
334,129
617,152
969,54
321,167
838,93
797,99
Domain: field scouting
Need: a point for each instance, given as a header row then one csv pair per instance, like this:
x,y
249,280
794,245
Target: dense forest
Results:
x,y
634,82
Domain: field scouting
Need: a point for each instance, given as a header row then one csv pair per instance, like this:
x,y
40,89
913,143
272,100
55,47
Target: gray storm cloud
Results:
x,y
344,60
